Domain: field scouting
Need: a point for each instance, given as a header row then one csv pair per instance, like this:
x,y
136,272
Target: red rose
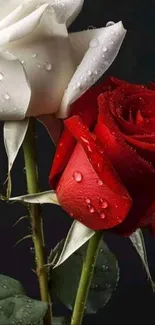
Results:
x,y
104,168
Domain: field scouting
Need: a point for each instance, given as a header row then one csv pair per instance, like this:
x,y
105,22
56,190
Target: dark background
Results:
x,y
133,302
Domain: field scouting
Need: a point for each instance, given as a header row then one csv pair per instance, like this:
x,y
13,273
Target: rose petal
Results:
x,y
137,175
11,18
67,10
102,52
23,27
47,58
96,176
86,198
15,92
14,133
87,107
80,41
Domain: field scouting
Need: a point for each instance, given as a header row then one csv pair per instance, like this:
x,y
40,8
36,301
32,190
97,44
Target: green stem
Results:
x,y
86,277
35,215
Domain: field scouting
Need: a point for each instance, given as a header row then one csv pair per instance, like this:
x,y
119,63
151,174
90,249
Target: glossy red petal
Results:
x,y
139,144
95,154
87,108
86,198
137,175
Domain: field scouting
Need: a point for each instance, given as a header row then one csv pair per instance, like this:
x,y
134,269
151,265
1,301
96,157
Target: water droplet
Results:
x,y
4,286
96,72
29,300
88,201
104,267
22,61
91,208
1,76
47,66
89,73
6,96
78,84
0,307
103,203
34,55
39,65
94,43
102,215
110,23
99,182
104,49
71,214
77,176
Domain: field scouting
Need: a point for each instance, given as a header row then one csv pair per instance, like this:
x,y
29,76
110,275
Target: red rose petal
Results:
x,y
87,108
86,198
137,175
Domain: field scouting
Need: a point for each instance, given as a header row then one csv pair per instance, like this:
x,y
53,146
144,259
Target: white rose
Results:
x,y
43,69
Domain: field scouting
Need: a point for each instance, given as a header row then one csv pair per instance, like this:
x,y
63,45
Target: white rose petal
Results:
x,y
15,92
100,55
23,27
46,82
67,10
14,134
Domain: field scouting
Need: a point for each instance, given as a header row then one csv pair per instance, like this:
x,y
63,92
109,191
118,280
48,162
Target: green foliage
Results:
x,y
65,278
15,307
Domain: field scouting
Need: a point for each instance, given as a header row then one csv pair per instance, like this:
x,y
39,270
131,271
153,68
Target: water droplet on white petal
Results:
x,y
39,65
110,23
104,49
77,176
22,61
47,66
94,43
34,55
6,96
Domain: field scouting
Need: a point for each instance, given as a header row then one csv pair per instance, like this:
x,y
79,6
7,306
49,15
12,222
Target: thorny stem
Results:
x,y
35,216
86,277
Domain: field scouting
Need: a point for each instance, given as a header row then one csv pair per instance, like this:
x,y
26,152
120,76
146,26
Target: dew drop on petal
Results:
x,y
102,215
6,96
22,61
104,49
99,182
47,66
91,208
88,201
103,203
39,66
94,43
110,23
34,55
77,176
1,76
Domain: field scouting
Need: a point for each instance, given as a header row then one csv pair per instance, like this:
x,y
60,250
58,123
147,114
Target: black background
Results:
x,y
133,302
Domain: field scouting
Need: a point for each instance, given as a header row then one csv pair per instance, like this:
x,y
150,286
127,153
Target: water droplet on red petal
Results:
x,y
78,176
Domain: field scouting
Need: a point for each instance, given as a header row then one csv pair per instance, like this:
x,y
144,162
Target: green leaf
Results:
x,y
138,242
65,279
15,307
9,287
